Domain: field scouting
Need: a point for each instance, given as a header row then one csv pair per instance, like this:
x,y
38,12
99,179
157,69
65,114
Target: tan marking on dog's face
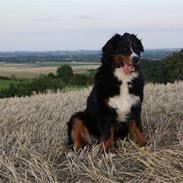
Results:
x,y
128,59
120,59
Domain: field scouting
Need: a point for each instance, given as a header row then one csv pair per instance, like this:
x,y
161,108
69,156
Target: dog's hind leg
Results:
x,y
136,134
79,134
107,142
121,131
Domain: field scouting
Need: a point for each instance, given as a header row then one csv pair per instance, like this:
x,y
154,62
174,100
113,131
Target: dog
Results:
x,y
113,107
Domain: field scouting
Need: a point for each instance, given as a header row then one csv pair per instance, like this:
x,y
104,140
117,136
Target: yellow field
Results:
x,y
25,71
32,70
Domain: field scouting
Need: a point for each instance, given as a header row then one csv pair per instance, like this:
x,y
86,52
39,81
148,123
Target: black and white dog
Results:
x,y
114,106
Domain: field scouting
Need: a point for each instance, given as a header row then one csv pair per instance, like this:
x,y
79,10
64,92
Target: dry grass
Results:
x,y
33,70
24,70
33,141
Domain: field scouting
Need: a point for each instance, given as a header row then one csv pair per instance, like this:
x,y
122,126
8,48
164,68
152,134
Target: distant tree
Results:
x,y
5,78
13,77
79,79
65,72
51,75
11,91
23,89
40,84
90,76
57,84
166,70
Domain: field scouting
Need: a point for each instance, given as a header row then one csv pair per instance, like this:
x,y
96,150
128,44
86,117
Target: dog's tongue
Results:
x,y
127,68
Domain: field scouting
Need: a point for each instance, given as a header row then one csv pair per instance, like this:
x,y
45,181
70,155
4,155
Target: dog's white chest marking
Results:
x,y
123,102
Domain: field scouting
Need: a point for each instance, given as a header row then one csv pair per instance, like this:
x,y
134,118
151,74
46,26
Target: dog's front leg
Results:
x,y
136,134
107,140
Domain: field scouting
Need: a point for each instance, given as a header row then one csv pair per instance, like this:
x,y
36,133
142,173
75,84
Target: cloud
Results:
x,y
47,19
85,17
140,28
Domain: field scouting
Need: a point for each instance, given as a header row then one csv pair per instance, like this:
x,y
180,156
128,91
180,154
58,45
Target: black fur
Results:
x,y
98,117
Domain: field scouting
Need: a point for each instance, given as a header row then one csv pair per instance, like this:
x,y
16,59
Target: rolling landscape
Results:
x,y
72,56
26,64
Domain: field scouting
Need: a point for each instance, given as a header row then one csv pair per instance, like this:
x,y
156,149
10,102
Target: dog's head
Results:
x,y
125,51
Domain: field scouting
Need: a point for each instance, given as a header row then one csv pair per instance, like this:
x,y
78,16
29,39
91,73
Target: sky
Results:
x,y
43,25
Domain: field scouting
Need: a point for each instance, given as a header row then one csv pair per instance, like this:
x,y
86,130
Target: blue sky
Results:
x,y
88,24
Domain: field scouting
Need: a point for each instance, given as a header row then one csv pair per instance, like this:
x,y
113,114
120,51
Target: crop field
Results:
x,y
31,70
33,141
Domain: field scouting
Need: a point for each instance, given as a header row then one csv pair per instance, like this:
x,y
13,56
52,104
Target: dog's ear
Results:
x,y
111,45
127,35
138,42
141,47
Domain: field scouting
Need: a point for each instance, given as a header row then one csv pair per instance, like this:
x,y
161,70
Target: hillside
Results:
x,y
33,141
72,56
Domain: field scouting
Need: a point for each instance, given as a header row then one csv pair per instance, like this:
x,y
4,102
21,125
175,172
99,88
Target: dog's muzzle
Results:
x,y
135,60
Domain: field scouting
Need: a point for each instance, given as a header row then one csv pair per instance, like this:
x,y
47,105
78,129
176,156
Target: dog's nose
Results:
x,y
135,60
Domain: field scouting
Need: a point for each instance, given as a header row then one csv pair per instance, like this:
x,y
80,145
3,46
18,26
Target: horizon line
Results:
x,y
176,48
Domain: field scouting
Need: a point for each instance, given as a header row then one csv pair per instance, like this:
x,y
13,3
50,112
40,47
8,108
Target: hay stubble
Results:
x,y
33,141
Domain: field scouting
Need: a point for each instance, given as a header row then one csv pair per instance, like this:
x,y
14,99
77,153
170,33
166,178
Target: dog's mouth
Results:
x,y
127,68
125,63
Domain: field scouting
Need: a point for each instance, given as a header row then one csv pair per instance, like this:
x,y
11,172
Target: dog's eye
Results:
x,y
120,58
134,47
124,49
137,51
127,51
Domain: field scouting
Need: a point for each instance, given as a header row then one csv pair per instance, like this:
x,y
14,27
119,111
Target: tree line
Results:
x,y
63,78
166,70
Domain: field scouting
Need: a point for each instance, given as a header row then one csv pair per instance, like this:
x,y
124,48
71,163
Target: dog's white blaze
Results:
x,y
123,102
133,53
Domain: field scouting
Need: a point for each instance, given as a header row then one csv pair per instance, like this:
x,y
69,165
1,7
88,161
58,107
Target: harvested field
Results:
x,y
33,141
33,70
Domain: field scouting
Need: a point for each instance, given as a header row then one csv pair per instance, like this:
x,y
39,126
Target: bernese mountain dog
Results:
x,y
113,107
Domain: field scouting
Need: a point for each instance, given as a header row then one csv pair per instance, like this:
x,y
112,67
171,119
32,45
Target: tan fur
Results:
x,y
136,134
108,143
80,134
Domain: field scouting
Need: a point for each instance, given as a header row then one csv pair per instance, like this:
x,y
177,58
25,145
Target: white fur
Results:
x,y
133,53
125,100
